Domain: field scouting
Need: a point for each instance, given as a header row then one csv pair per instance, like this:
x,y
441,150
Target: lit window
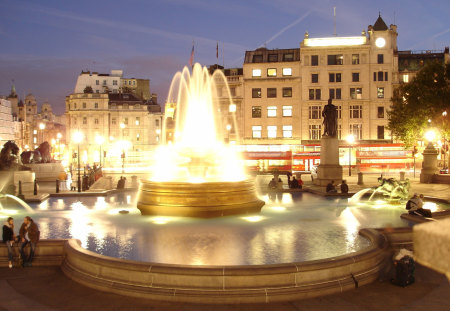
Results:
x,y
287,92
256,72
272,111
272,131
315,131
138,121
256,131
336,59
287,131
380,92
271,72
34,140
137,137
256,112
356,93
287,111
315,112
406,78
256,93
232,108
356,130
35,132
355,59
287,71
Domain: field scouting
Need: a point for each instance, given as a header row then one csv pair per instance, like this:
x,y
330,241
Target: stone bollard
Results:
x,y
402,176
20,194
57,186
360,178
35,192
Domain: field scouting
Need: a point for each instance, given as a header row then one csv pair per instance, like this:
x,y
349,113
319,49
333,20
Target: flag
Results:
x,y
191,59
217,50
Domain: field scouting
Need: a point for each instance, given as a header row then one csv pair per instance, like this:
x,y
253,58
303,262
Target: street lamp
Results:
x,y
78,138
42,127
350,139
444,115
100,140
430,135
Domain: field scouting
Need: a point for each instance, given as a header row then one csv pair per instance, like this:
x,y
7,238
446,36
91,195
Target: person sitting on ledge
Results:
x,y
415,206
9,238
344,187
29,234
331,188
294,183
272,184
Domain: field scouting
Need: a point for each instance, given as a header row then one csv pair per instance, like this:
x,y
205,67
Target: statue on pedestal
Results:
x,y
329,115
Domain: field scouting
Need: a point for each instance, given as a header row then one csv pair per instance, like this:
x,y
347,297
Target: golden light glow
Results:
x,y
232,108
380,42
59,135
253,218
430,135
335,41
41,126
99,139
350,139
77,137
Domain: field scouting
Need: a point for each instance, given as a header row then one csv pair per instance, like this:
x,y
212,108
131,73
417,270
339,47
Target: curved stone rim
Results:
x,y
227,284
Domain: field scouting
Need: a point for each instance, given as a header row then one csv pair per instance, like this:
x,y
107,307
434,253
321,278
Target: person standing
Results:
x,y
29,234
344,187
9,238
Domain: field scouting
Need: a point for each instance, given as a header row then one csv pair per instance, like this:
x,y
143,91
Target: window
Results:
x,y
256,93
125,132
74,121
129,82
256,131
113,121
271,72
339,131
84,120
256,73
257,58
314,60
314,78
287,71
356,130
272,111
339,111
335,77
380,76
256,112
96,105
356,93
380,112
272,131
232,91
271,92
315,131
272,58
287,131
406,78
75,106
385,76
355,59
95,121
157,122
335,59
315,112
287,111
134,82
380,132
287,92
125,121
355,111
288,57
314,94
380,58
97,82
380,92
335,93
84,105
355,76
114,82
104,82
138,121
138,136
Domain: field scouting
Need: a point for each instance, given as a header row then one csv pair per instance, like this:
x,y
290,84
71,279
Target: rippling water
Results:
x,y
289,228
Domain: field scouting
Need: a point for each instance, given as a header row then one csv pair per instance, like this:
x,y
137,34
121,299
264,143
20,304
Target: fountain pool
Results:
x,y
290,228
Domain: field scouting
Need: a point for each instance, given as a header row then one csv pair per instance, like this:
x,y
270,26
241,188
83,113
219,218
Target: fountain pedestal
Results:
x,y
429,164
329,168
209,199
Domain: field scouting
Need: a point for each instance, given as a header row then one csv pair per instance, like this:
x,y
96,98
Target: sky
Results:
x,y
44,44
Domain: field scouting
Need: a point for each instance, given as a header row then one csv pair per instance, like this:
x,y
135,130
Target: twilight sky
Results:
x,y
44,44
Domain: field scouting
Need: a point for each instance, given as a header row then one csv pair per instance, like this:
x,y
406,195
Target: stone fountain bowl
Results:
x,y
209,199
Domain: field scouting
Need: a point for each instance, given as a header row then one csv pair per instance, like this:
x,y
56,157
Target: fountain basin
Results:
x,y
209,199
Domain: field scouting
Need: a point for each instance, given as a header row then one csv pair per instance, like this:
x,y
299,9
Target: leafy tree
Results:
x,y
88,89
425,98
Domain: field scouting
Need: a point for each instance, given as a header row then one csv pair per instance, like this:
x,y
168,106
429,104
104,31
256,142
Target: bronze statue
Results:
x,y
9,158
39,155
329,115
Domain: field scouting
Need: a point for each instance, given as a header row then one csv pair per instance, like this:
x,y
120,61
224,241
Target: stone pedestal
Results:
x,y
46,171
27,179
429,164
329,168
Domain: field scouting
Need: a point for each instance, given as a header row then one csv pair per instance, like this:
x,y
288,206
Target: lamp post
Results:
x,y
350,139
78,138
58,136
42,127
228,131
100,140
444,115
122,126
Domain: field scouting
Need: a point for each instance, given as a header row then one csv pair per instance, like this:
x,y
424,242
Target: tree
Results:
x,y
416,103
88,89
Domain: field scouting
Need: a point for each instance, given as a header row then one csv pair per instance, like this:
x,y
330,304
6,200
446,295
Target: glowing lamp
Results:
x,y
59,135
99,140
41,126
380,42
77,137
232,108
350,139
430,135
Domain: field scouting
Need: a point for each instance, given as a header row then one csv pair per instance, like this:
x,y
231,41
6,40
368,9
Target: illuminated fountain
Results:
x,y
198,174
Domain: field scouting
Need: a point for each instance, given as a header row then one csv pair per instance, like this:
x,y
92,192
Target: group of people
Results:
x,y
415,206
121,182
331,188
292,184
28,234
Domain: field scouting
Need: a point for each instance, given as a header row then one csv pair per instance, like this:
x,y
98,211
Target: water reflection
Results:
x,y
294,227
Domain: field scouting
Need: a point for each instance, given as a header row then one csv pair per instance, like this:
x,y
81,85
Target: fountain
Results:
x,y
198,174
393,190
